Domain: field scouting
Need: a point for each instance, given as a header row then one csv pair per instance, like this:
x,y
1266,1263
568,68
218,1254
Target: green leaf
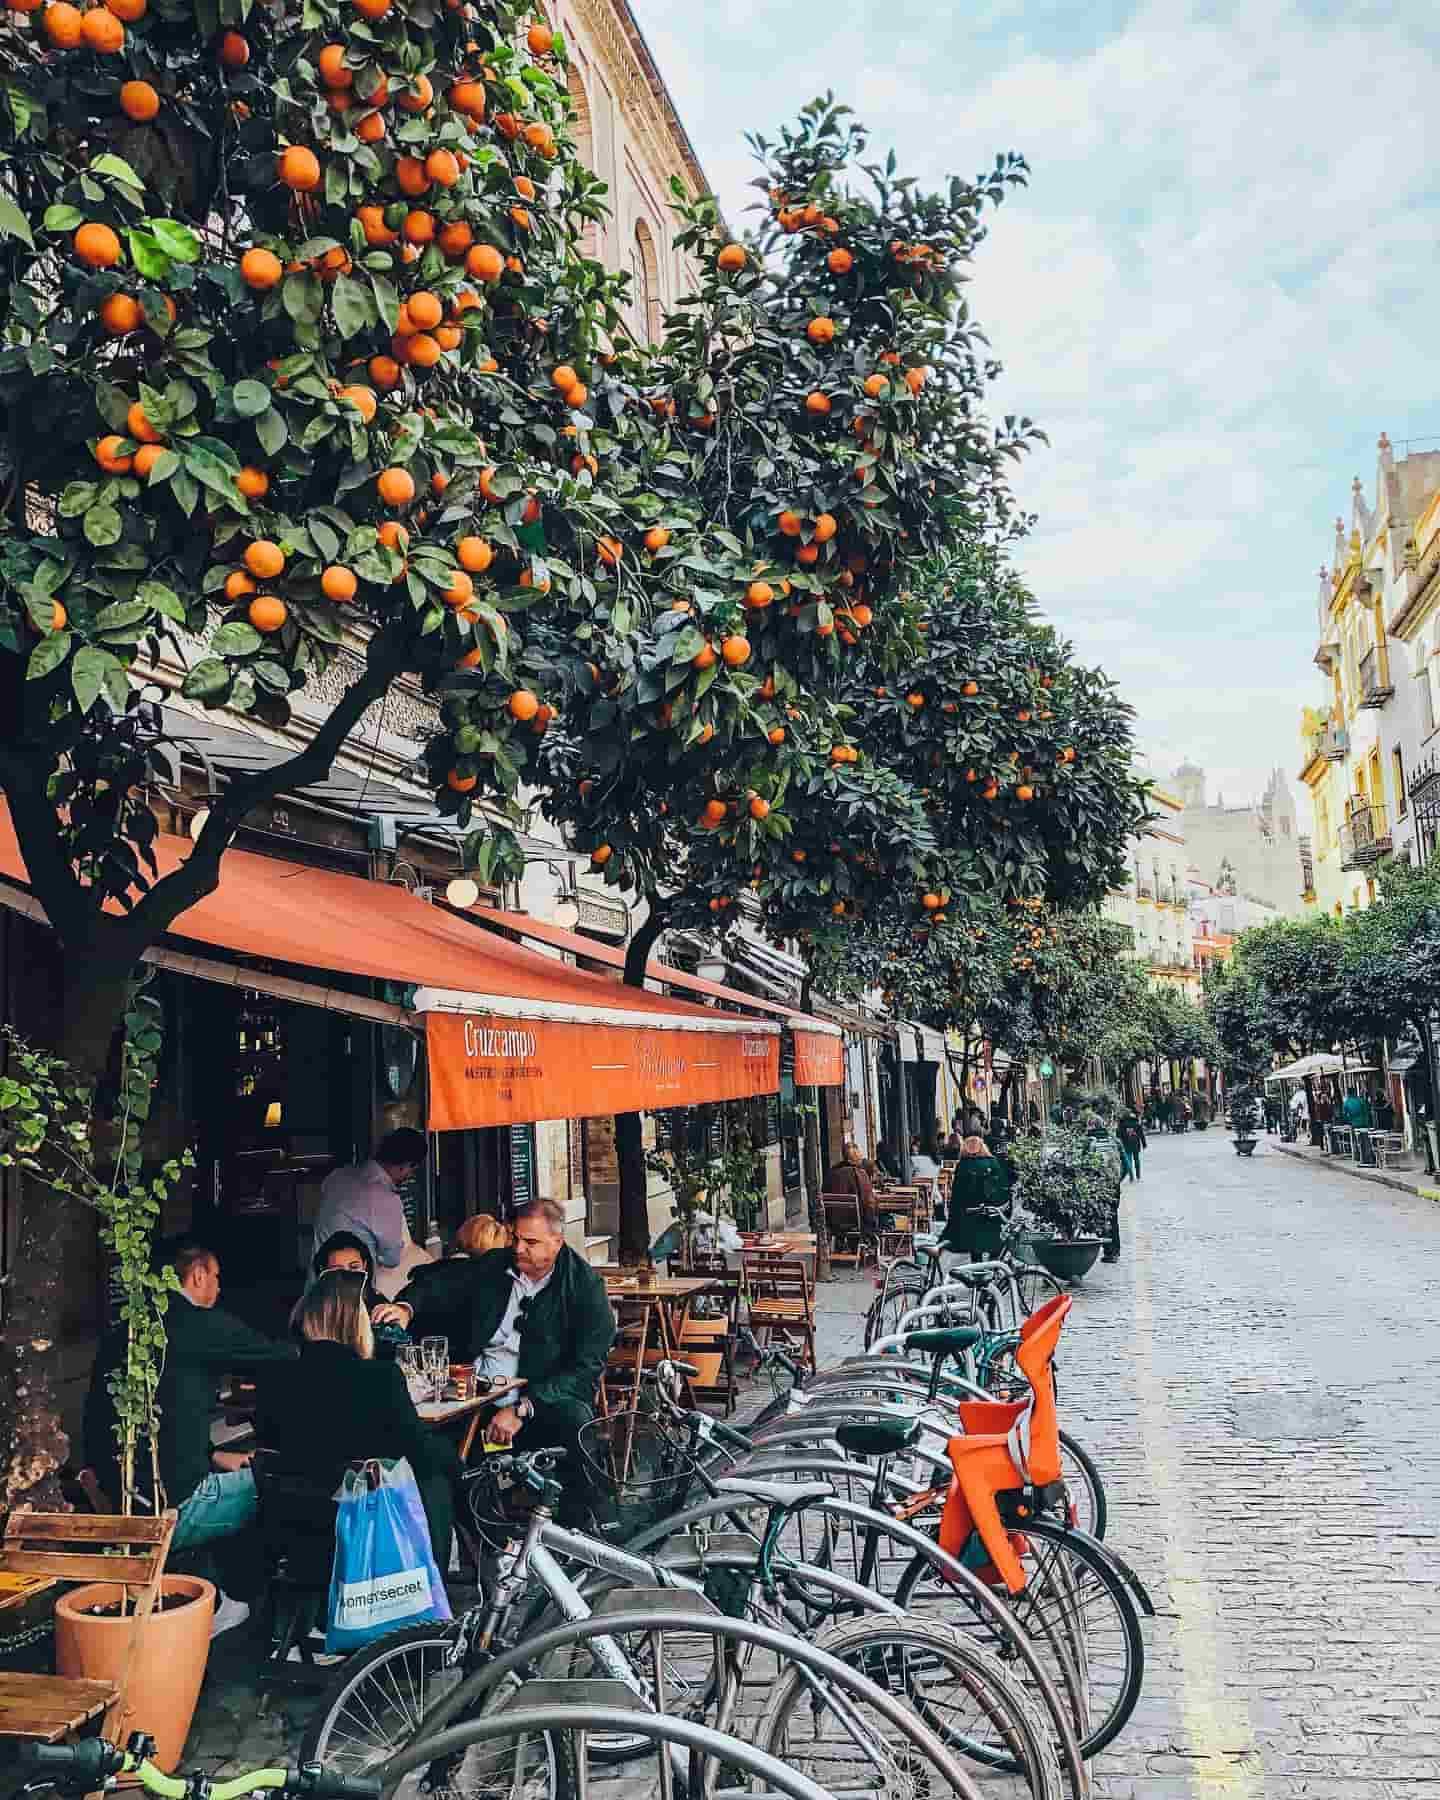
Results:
x,y
62,218
218,476
149,258
102,526
113,404
164,466
353,306
162,599
272,675
116,166
250,398
303,296
13,222
89,672
77,498
271,430
178,241
121,615
48,654
207,679
183,487
236,639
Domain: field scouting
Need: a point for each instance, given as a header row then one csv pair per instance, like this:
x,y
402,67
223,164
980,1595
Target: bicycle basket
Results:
x,y
640,1471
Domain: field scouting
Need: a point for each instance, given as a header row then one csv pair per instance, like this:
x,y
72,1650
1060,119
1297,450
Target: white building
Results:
x,y
1155,902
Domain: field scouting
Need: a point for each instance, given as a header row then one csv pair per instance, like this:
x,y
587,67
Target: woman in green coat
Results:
x,y
979,1182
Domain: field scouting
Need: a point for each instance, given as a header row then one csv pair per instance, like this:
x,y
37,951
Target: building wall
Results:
x,y
1155,901
1259,842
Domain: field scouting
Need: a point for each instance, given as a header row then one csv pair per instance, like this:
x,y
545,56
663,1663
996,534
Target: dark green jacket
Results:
x,y
204,1344
568,1328
978,1181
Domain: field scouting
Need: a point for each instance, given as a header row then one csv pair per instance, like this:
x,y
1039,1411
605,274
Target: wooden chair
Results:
x,y
79,1547
708,1341
782,1302
845,1228
897,1223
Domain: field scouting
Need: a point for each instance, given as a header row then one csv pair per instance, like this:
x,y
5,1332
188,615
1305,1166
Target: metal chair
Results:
x,y
297,1532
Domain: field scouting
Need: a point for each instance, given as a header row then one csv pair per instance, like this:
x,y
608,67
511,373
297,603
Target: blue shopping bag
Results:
x,y
384,1574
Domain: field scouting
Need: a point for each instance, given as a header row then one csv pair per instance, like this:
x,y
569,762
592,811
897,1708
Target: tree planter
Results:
x,y
1245,1146
1068,1259
164,1678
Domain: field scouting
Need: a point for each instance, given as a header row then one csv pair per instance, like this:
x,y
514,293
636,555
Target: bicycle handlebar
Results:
x,y
81,1768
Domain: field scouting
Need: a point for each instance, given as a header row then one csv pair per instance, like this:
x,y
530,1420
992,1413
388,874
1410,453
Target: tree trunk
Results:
x,y
54,1234
630,1127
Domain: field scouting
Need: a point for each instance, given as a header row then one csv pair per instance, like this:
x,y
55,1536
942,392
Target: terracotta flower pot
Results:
x,y
169,1664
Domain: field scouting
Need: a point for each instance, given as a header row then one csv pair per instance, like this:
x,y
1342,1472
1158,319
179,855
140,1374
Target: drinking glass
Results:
x,y
435,1355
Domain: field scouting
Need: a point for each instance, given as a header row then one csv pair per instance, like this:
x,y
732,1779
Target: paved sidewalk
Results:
x,y
1405,1181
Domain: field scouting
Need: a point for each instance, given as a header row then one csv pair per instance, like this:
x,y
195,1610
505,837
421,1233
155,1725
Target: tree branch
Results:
x,y
637,952
65,899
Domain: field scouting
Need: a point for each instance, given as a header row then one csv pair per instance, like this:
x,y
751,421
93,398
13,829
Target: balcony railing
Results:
x,y
1331,742
1145,889
1365,837
1375,684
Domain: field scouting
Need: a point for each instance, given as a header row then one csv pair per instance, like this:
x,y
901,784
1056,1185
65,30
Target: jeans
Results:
x,y
1129,1163
222,1505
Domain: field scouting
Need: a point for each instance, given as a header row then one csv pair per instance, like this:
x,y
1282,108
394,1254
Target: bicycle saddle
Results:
x,y
877,1437
946,1340
778,1493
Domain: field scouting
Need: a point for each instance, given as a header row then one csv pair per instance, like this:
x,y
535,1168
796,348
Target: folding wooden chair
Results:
x,y
80,1547
708,1340
845,1227
782,1302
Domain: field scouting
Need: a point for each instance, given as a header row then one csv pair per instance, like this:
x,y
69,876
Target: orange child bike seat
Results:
x,y
1024,1452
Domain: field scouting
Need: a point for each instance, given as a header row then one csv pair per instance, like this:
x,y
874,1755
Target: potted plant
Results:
x,y
1065,1185
50,1128
1245,1120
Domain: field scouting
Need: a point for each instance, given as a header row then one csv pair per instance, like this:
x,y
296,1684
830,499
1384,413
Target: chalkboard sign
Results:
x,y
522,1165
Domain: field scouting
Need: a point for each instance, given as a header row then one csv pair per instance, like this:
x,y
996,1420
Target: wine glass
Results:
x,y
435,1355
407,1356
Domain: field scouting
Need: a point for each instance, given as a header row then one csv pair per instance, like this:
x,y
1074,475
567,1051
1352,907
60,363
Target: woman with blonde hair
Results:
x,y
979,1192
339,1405
481,1233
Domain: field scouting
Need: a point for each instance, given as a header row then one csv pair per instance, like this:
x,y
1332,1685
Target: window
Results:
x,y
1322,822
1377,790
644,285
1402,803
589,244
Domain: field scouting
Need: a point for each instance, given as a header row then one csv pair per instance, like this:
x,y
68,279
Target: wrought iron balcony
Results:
x,y
1375,684
1365,837
1332,742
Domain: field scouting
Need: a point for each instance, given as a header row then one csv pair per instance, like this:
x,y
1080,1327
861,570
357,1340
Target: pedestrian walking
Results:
x,y
1132,1141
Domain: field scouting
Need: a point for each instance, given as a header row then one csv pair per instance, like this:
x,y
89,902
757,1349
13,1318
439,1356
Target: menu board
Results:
x,y
522,1165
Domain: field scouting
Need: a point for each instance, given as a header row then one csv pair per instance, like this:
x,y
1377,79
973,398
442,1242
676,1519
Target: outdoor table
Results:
x,y
664,1300
439,1413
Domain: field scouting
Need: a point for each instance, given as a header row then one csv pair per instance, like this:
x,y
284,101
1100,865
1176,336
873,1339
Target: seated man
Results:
x,y
540,1311
214,1492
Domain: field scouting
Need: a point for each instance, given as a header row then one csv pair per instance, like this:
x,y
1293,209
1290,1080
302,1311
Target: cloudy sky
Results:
x,y
1217,291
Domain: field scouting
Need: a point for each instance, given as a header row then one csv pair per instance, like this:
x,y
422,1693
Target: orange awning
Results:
x,y
552,1041
819,1045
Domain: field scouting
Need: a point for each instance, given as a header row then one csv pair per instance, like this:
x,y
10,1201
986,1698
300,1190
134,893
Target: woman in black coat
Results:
x,y
338,1405
978,1182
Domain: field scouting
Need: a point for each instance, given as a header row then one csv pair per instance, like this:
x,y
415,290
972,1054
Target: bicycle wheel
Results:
x,y
962,1692
903,1289
1076,1611
1087,1490
377,1698
1033,1287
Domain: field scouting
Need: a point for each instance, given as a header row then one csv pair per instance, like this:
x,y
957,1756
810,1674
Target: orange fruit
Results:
x,y
1024,792
486,262
601,855
474,554
441,167
577,395
656,538
396,486
790,523
139,427
299,168
731,259
372,223
821,331
704,657
102,31
564,377
840,262
531,512
64,25
234,51
759,594
439,481
470,660
862,615
253,483
238,584
424,351
715,811
468,97
461,590
523,705
970,689
735,650
931,902
261,269
384,371
267,612
915,379
128,10
146,458
776,734
520,218
120,313
455,239
419,228
817,403
335,72
97,245
394,536
541,39
371,128
825,528
139,101
539,137
425,310
462,784
808,555
915,701
372,9
759,808
875,386
264,558
609,550
525,187
420,95
410,177
449,337
362,399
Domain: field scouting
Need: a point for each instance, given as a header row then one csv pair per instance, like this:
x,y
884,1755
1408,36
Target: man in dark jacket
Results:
x,y
1132,1142
538,1311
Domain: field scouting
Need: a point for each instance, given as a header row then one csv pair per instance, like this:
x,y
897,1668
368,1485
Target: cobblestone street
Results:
x,y
1254,1379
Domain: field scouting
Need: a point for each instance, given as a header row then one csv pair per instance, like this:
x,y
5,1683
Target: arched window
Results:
x,y
645,285
583,128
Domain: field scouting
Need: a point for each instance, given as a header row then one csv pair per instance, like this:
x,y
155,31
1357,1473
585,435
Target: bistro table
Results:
x,y
663,1301
437,1414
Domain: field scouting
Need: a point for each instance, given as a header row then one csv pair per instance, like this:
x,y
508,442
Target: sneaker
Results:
x,y
228,1614
321,1659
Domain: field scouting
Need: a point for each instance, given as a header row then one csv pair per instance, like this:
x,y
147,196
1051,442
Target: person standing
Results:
x,y
365,1200
1132,1142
